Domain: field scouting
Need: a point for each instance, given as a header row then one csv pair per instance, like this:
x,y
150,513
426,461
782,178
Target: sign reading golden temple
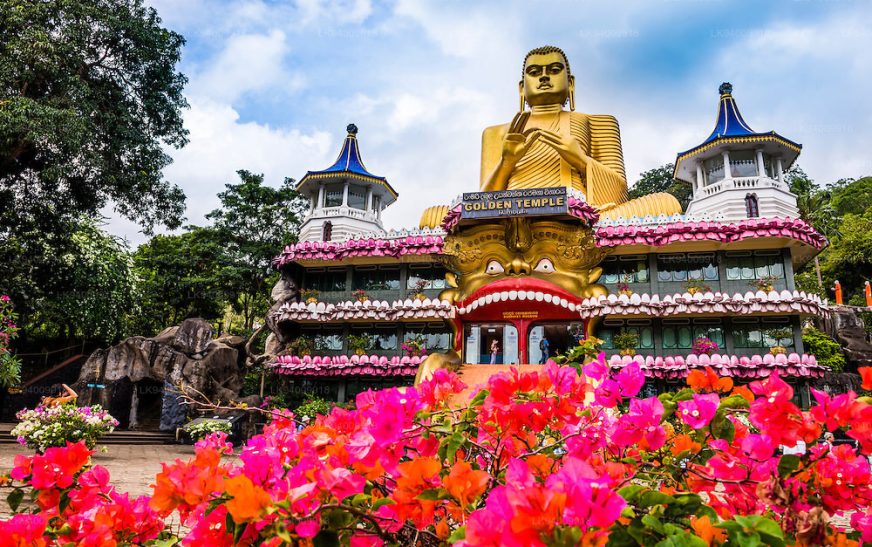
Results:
x,y
528,202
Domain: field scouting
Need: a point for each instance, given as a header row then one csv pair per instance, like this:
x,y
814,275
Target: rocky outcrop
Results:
x,y
846,327
183,357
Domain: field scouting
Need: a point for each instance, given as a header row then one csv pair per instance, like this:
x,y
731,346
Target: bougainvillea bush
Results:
x,y
44,427
540,458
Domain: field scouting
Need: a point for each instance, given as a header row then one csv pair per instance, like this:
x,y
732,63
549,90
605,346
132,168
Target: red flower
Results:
x,y
58,467
23,531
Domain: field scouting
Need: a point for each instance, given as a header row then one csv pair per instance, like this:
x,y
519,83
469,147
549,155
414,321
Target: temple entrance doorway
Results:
x,y
490,343
554,338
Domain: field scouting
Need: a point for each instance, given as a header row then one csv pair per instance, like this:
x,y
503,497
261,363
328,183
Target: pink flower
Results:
x,y
699,411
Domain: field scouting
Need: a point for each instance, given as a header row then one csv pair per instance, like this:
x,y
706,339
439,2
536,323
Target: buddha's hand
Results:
x,y
516,142
568,148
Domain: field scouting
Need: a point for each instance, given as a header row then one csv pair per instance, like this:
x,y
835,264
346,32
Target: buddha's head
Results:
x,y
547,256
546,79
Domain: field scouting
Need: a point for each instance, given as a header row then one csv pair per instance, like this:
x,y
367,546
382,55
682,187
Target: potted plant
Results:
x,y
765,284
310,296
704,346
694,286
784,333
415,346
624,285
626,342
624,288
358,343
360,295
300,346
418,292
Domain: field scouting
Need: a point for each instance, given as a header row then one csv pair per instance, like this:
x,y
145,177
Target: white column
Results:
x,y
700,180
779,170
368,205
320,196
728,173
761,169
345,195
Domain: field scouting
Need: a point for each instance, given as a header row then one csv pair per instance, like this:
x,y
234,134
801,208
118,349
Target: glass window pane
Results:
x,y
356,197
669,339
747,267
776,268
333,195
685,337
647,338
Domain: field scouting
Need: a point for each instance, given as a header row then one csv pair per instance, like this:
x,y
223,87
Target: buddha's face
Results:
x,y
546,80
557,259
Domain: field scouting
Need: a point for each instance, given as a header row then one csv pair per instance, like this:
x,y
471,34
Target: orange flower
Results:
x,y
442,530
187,484
684,442
744,392
706,531
866,375
541,465
465,484
249,501
708,380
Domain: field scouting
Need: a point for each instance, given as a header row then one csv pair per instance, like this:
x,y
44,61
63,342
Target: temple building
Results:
x,y
519,274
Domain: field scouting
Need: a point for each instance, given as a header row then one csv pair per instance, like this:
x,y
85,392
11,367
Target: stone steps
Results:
x,y
117,437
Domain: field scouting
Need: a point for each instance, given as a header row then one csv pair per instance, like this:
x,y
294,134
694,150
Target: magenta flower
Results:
x,y
699,411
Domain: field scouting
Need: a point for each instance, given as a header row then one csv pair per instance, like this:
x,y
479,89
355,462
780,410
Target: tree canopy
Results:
x,y
89,99
660,179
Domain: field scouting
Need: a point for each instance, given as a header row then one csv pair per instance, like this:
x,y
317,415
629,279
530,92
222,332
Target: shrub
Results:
x,y
44,427
312,407
536,458
10,365
199,430
826,350
704,346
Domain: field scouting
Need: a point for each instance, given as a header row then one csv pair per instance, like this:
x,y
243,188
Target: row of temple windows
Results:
x,y
743,163
374,279
748,332
694,267
680,267
356,197
381,338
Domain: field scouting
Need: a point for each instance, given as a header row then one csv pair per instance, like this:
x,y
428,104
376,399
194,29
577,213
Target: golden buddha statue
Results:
x,y
548,146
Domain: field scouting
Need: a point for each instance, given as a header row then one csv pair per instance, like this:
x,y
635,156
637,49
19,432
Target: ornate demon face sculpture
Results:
x,y
523,254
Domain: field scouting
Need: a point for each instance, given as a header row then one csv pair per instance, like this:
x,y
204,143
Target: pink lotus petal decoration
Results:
x,y
756,366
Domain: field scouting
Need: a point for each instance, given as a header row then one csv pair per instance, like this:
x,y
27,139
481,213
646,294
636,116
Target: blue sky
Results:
x,y
274,83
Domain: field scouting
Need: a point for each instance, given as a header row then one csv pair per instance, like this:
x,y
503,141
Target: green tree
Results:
x,y
89,100
660,180
179,278
852,196
99,289
253,224
815,208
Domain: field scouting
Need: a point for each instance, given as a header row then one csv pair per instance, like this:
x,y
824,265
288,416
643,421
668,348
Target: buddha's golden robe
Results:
x,y
604,180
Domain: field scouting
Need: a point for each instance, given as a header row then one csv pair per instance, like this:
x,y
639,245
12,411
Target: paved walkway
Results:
x,y
131,467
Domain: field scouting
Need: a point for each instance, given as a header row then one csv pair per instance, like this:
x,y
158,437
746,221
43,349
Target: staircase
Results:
x,y
117,437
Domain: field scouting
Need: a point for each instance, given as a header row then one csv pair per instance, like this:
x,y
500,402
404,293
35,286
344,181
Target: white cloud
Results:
x,y
248,63
220,145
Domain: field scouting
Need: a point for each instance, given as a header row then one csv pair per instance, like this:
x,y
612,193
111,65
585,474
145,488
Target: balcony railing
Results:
x,y
742,183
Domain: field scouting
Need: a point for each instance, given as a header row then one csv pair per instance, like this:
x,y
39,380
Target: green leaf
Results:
x,y
653,523
434,494
631,492
15,498
787,464
382,502
326,538
652,497
457,535
479,398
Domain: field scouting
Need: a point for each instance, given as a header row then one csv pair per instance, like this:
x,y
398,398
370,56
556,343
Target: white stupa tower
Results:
x,y
345,200
736,172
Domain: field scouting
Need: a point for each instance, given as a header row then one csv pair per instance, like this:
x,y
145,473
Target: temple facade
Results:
x,y
522,275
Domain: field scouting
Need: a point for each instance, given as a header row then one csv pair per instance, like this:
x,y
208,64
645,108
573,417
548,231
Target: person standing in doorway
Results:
x,y
494,349
545,347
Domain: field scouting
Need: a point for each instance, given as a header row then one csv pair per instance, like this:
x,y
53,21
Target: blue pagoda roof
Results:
x,y
731,127
349,164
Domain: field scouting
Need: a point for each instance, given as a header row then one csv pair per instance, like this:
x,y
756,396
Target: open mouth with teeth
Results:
x,y
520,294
